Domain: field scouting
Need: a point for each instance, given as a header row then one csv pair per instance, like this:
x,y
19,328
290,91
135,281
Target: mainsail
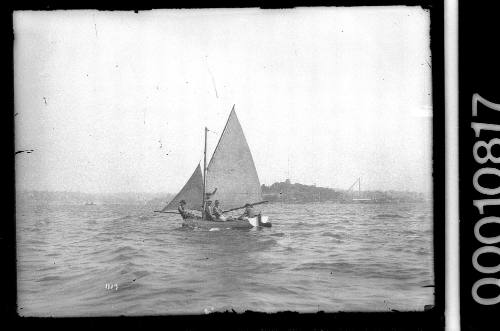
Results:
x,y
192,193
231,169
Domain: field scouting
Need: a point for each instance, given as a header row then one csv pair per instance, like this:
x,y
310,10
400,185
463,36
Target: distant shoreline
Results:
x,y
287,192
282,192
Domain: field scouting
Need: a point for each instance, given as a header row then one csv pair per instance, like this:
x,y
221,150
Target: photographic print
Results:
x,y
192,161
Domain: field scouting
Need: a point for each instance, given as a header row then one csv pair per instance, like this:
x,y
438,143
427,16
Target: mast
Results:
x,y
204,176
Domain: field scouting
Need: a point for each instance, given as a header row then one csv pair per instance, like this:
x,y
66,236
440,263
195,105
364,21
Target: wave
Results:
x,y
141,274
130,285
36,242
396,274
318,224
302,234
332,235
385,216
429,230
419,251
49,278
43,221
356,269
121,257
266,243
410,233
130,265
177,290
98,251
123,249
50,267
326,266
422,252
127,217
279,290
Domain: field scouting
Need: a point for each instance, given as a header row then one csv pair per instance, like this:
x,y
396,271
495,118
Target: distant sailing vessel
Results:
x,y
359,199
231,174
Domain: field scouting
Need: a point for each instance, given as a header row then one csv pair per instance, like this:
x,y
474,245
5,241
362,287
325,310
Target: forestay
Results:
x,y
191,193
231,169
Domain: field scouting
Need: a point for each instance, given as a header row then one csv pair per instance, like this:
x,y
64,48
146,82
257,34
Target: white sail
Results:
x,y
192,193
231,170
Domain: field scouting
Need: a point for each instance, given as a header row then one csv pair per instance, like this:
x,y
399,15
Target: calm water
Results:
x,y
330,257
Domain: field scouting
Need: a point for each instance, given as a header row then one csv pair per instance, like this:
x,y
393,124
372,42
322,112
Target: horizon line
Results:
x,y
170,193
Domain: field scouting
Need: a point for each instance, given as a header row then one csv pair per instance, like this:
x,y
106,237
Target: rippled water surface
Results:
x,y
127,260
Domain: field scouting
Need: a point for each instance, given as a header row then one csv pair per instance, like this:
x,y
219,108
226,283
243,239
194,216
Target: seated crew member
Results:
x,y
249,212
209,216
219,214
182,210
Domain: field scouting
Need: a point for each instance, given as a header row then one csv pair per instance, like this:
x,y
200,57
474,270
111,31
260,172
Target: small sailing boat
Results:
x,y
359,199
231,174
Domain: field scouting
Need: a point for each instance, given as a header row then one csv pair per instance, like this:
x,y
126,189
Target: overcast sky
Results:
x,y
117,101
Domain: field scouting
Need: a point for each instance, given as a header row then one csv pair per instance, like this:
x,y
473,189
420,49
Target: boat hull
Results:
x,y
263,221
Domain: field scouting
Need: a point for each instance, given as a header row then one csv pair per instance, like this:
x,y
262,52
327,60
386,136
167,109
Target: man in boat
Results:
x,y
182,210
209,215
219,214
249,212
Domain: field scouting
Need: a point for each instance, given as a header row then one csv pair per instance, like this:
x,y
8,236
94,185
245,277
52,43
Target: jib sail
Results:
x,y
192,193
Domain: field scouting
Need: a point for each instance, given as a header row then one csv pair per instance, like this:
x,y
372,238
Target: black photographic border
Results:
x,y
426,320
478,72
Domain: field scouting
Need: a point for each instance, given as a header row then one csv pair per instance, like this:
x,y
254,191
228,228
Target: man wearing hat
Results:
x,y
249,212
182,209
209,215
218,213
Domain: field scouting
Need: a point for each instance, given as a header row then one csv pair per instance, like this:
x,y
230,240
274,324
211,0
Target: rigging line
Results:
x,y
212,76
95,25
213,131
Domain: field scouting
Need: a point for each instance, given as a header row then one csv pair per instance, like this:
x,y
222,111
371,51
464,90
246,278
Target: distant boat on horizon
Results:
x,y
359,199
89,204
